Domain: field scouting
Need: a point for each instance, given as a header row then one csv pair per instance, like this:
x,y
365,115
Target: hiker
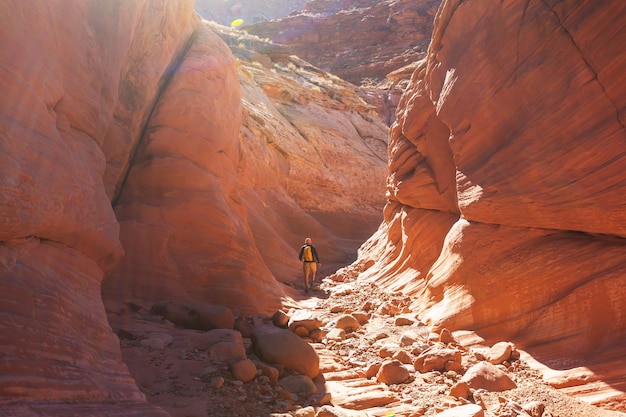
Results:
x,y
310,261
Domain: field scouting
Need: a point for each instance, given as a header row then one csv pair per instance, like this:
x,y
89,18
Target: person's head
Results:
x,y
307,241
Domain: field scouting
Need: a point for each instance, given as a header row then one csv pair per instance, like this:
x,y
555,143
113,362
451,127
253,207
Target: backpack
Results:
x,y
307,254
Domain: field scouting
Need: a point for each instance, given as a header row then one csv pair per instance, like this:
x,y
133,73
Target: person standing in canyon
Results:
x,y
310,261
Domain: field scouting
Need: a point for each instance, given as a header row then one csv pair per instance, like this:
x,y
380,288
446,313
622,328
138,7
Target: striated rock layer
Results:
x,y
506,212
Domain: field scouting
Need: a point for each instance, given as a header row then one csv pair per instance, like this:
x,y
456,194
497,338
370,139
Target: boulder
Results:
x,y
276,345
243,370
195,316
436,359
499,353
304,318
460,390
298,384
392,372
347,322
280,319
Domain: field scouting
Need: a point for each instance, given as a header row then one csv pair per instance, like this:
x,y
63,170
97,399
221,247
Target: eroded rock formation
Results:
x,y
227,183
130,150
355,39
506,212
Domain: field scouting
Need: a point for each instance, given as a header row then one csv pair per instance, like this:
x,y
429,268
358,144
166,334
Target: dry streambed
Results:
x,y
353,351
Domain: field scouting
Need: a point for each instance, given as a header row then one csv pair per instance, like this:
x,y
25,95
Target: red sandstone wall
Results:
x,y
506,212
76,83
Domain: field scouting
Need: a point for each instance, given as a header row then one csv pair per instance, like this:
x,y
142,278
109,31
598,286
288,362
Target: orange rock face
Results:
x,y
506,212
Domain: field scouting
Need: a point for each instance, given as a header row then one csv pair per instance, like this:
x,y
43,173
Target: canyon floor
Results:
x,y
185,381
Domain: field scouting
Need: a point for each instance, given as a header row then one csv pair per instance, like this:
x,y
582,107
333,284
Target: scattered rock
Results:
x,y
216,382
316,335
392,372
445,337
460,390
204,340
244,370
337,309
304,318
348,323
153,343
336,334
269,371
499,353
436,358
361,316
305,412
372,370
403,357
534,408
388,309
489,377
408,338
301,331
280,319
388,350
405,320
330,411
298,384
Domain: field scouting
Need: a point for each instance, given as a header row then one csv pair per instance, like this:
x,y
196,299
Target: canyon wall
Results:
x,y
235,169
139,162
77,86
506,211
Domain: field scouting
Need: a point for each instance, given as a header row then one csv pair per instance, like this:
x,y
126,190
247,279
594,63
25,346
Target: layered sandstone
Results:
x,y
506,212
358,40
